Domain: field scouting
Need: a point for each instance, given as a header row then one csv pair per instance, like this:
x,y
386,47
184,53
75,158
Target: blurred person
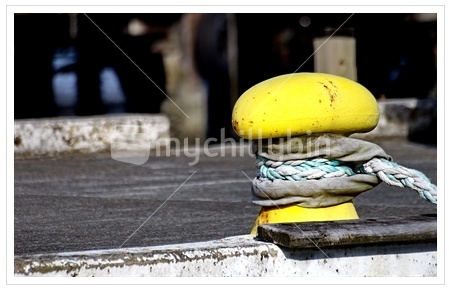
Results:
x,y
212,63
97,51
36,37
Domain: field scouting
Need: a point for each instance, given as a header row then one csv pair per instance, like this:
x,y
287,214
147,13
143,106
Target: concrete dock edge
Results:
x,y
239,256
392,246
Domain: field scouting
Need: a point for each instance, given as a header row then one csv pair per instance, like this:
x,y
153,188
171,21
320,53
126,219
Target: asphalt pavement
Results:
x,y
88,202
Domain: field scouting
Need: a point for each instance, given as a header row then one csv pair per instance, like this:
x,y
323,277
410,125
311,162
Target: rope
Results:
x,y
301,170
397,175
320,168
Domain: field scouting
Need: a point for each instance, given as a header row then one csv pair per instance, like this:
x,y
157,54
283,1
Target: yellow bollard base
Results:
x,y
294,213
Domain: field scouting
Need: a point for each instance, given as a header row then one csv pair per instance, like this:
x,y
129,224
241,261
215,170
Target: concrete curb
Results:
x,y
392,246
239,256
404,118
55,136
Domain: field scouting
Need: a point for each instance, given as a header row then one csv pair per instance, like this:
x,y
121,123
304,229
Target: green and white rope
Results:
x,y
320,168
400,176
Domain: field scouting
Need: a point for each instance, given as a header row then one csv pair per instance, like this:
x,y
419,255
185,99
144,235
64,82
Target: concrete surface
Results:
x,y
95,202
238,256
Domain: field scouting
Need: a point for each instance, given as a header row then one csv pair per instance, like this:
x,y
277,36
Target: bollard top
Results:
x,y
304,103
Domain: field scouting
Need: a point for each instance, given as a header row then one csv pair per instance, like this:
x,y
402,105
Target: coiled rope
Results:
x,y
321,168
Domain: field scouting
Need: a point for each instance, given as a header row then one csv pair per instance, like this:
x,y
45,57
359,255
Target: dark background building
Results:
x,y
77,64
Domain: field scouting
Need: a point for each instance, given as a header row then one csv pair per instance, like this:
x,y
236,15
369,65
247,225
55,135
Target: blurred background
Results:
x,y
94,64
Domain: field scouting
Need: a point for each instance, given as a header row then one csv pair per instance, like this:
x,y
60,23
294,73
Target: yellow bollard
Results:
x,y
295,213
303,104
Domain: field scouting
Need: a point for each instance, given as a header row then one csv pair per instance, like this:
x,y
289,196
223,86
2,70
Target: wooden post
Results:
x,y
336,55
